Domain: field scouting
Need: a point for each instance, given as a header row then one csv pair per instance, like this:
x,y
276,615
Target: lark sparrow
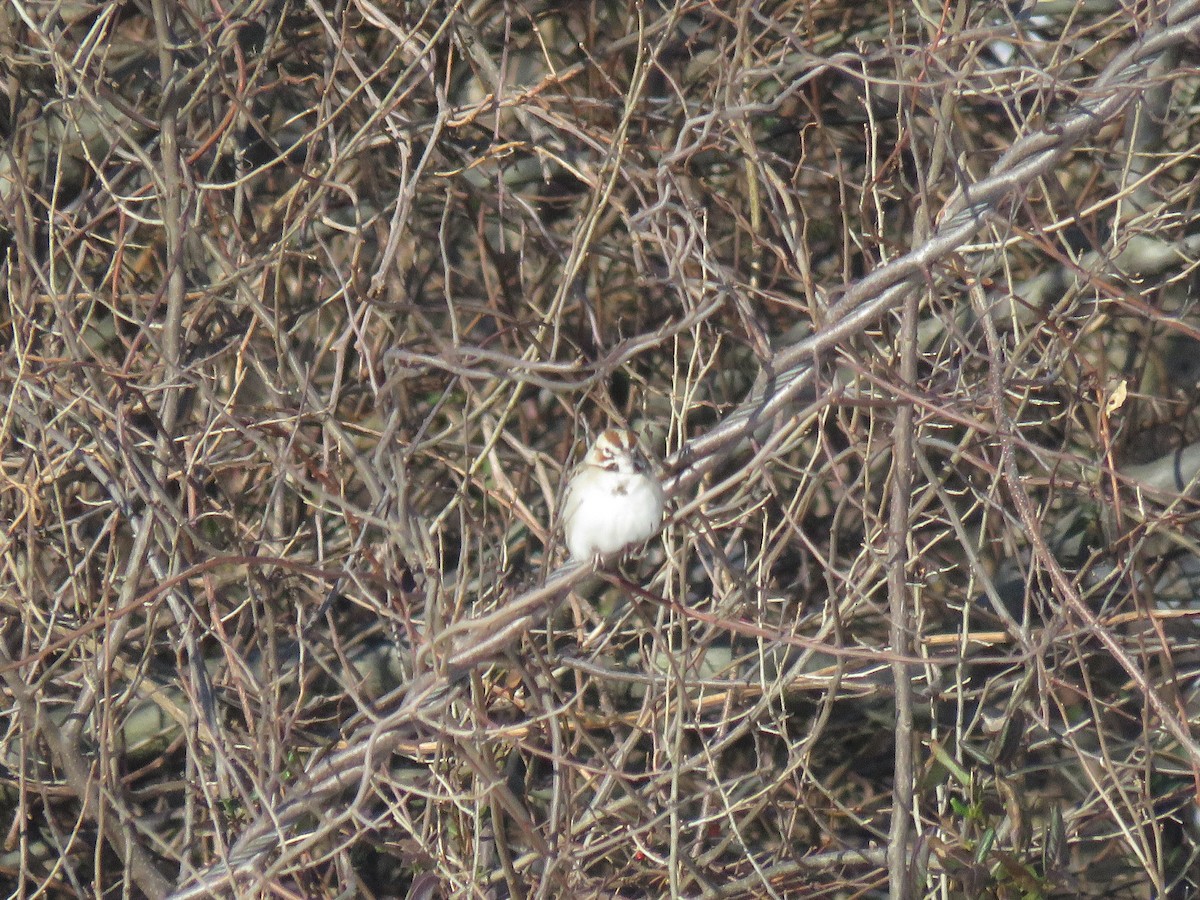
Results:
x,y
614,499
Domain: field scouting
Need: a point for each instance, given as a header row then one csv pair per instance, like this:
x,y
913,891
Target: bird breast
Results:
x,y
611,511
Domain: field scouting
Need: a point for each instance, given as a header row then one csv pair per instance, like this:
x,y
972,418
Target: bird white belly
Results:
x,y
624,511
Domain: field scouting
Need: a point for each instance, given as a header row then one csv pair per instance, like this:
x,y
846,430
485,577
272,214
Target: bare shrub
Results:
x,y
311,308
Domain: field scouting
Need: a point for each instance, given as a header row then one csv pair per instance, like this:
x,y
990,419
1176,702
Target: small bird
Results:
x,y
614,500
